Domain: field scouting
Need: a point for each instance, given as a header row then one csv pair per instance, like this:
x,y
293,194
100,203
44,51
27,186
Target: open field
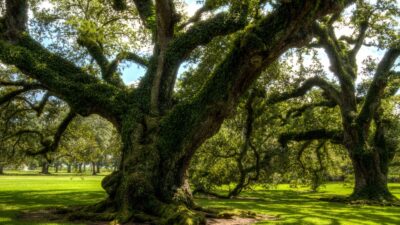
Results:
x,y
293,206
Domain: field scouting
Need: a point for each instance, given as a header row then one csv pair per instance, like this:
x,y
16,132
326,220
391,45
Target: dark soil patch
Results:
x,y
54,215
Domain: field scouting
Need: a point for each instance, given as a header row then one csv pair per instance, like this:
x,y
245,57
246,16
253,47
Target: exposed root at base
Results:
x,y
169,214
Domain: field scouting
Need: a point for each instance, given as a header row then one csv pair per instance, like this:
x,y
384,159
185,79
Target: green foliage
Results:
x,y
91,139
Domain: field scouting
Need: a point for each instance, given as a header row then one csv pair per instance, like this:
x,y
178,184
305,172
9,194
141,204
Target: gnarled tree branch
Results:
x,y
378,85
334,135
51,146
332,93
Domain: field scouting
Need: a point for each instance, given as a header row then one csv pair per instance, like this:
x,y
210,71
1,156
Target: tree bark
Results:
x,y
142,184
69,168
98,166
94,172
1,169
45,168
79,167
371,166
57,167
371,177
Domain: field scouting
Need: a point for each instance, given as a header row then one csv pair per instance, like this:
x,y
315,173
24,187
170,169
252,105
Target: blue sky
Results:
x,y
132,72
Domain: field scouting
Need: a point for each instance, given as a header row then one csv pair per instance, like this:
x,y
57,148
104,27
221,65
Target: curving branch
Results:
x,y
333,135
37,108
358,42
51,146
252,52
196,17
83,92
300,154
296,112
332,93
14,94
107,69
126,56
377,87
18,83
330,43
95,51
179,49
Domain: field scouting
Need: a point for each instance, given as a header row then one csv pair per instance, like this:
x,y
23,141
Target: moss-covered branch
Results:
x,y
332,93
14,94
378,85
252,52
83,92
296,112
334,135
96,51
199,34
127,56
108,70
338,57
358,42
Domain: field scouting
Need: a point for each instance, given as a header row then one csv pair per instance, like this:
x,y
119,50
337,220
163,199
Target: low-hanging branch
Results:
x,y
51,146
323,134
14,94
329,89
296,112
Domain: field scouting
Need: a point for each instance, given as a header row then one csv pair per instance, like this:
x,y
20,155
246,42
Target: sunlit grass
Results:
x,y
299,206
292,206
20,193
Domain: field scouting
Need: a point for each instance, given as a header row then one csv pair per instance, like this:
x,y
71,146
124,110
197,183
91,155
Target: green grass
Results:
x,y
20,193
293,206
298,206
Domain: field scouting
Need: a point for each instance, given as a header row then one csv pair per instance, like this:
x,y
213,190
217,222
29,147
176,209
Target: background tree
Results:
x,y
363,125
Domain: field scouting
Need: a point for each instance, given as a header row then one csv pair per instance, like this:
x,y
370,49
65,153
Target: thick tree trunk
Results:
x,y
152,182
1,170
371,181
98,165
57,167
69,168
45,168
370,160
79,167
94,172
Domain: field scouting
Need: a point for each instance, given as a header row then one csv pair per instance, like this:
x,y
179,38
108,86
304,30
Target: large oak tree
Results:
x,y
363,130
159,135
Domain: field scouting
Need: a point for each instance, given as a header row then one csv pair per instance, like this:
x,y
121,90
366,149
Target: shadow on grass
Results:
x,y
12,203
292,207
304,208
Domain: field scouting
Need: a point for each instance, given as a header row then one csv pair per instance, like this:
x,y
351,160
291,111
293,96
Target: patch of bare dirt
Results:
x,y
239,220
52,215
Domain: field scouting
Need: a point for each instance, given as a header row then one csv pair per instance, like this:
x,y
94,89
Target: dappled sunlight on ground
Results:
x,y
290,206
295,206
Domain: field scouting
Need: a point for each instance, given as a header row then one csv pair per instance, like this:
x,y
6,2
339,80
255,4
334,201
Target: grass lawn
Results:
x,y
293,206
